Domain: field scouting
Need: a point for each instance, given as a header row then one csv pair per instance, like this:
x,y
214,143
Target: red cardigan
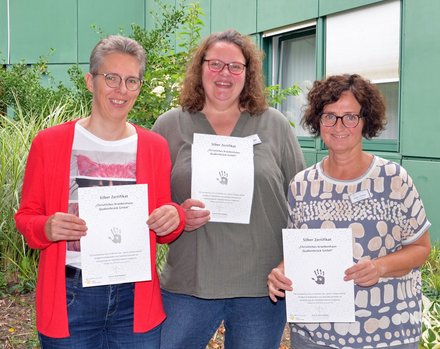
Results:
x,y
46,191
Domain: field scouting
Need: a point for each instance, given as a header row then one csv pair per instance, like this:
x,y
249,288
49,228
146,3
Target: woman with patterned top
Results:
x,y
102,149
374,197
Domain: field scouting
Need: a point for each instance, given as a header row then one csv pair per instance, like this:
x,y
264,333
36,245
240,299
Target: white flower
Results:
x,y
158,90
175,87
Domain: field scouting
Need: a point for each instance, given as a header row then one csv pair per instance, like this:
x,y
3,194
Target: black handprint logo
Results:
x,y
320,279
116,235
223,177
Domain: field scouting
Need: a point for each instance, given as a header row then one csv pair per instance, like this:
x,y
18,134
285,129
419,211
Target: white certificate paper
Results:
x,y
315,261
116,248
223,176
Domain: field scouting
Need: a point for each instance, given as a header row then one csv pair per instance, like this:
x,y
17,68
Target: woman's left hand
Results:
x,y
365,273
164,220
368,272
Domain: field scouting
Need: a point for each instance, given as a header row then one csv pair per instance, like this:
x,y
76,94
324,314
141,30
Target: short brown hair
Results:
x,y
117,44
252,97
329,90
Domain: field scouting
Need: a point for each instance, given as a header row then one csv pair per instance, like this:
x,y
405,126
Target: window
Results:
x,y
366,41
294,63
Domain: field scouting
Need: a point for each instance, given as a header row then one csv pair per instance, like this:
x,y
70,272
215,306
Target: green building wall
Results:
x,y
30,29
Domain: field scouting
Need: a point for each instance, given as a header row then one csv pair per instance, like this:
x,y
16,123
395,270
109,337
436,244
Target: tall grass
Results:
x,y
18,263
431,300
431,273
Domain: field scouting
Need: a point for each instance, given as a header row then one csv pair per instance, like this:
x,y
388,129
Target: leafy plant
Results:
x,y
165,67
431,299
430,324
32,90
431,274
18,262
276,95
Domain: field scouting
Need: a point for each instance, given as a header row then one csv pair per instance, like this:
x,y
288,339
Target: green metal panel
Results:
x,y
327,7
309,156
420,121
58,73
277,13
308,142
396,157
232,14
256,39
3,32
111,16
425,174
377,144
321,154
39,26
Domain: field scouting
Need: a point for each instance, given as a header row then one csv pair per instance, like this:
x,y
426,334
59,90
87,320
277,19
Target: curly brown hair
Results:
x,y
329,90
252,97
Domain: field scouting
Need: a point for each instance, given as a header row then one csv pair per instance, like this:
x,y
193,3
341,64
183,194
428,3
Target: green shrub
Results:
x,y
431,299
431,274
18,263
30,90
430,324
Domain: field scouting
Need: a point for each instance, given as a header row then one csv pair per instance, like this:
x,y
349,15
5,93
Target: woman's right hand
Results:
x,y
277,283
195,218
65,226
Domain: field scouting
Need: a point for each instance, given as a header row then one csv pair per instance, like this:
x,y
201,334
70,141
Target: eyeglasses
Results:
x,y
113,80
216,66
348,120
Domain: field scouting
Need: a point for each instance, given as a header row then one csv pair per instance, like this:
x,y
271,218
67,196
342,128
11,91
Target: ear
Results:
x,y
89,81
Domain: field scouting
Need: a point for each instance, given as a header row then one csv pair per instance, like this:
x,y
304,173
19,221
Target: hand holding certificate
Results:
x,y
315,261
117,246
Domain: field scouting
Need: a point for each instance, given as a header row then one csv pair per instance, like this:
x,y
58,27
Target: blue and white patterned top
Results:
x,y
385,212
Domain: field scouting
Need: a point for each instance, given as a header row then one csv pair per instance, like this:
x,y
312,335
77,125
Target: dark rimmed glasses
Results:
x,y
216,65
113,80
348,120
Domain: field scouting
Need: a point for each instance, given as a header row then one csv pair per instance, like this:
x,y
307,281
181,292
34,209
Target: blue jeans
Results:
x,y
254,323
101,317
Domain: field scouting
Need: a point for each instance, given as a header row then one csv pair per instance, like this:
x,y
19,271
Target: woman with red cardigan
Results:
x,y
102,149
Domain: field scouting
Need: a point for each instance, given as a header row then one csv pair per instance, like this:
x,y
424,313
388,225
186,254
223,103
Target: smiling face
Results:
x,y
341,139
222,89
113,104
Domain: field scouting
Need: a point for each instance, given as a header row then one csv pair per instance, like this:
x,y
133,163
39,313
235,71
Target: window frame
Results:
x,y
318,25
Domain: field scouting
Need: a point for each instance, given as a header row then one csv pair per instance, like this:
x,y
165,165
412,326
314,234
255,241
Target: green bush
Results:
x,y
431,299
430,324
431,274
30,90
18,263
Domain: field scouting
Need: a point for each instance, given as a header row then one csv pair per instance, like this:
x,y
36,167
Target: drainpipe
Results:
x,y
9,33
